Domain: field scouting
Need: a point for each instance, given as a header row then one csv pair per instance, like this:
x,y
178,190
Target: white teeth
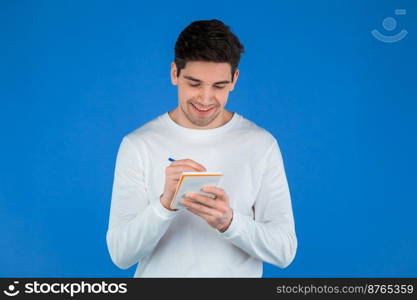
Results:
x,y
202,108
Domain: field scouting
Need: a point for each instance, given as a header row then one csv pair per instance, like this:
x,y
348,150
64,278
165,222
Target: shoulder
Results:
x,y
143,134
256,134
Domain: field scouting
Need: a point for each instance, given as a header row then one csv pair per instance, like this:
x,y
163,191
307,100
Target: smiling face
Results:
x,y
203,90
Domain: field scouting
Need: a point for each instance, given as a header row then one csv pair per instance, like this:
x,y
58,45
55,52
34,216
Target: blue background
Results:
x,y
76,76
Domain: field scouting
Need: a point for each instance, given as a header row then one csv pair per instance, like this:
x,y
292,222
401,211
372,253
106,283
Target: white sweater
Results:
x,y
180,244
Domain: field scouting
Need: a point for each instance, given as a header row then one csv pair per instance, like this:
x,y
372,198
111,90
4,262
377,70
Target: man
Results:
x,y
250,219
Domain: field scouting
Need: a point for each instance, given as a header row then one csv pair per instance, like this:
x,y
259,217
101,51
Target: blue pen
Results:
x,y
171,159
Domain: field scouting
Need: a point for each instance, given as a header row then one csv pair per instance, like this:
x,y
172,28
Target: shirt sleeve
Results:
x,y
137,222
270,234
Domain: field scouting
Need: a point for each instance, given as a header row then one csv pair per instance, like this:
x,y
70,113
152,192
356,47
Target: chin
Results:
x,y
206,121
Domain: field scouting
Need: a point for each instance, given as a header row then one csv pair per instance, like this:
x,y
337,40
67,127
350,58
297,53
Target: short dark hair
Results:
x,y
207,40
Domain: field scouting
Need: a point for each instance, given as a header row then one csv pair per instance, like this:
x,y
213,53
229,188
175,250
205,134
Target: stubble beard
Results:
x,y
201,121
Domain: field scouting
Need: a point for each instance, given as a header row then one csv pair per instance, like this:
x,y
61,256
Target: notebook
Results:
x,y
193,182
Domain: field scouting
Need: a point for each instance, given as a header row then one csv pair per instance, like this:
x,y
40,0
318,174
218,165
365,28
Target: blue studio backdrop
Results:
x,y
333,81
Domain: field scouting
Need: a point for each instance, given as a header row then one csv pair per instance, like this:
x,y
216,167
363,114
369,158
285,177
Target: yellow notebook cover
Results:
x,y
193,182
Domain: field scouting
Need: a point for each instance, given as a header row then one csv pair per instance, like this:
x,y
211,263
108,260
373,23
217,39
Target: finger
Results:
x,y
199,207
200,214
182,168
177,171
218,192
204,200
190,163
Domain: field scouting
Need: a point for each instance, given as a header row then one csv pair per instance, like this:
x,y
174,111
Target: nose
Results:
x,y
206,96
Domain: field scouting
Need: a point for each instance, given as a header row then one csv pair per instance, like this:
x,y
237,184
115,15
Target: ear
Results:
x,y
234,79
174,78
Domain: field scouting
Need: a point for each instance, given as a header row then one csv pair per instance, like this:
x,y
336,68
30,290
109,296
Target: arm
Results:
x,y
136,224
270,236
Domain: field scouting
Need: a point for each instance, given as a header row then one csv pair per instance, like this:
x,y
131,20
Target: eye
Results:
x,y
219,87
194,85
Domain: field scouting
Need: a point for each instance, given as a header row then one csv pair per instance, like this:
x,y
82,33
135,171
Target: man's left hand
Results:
x,y
217,212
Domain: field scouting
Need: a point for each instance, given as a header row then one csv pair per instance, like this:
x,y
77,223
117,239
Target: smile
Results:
x,y
202,111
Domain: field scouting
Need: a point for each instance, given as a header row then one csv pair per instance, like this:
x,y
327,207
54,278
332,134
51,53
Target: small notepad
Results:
x,y
193,182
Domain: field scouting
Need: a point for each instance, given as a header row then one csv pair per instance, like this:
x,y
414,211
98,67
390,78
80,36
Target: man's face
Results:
x,y
203,89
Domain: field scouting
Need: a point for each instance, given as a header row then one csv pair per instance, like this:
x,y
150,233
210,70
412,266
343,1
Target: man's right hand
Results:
x,y
172,176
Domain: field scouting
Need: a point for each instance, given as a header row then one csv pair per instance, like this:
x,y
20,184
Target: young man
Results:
x,y
250,219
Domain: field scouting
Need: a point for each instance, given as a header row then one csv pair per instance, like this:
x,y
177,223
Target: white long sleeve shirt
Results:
x,y
180,244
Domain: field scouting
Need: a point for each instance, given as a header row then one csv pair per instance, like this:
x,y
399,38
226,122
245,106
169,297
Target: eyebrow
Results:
x,y
198,80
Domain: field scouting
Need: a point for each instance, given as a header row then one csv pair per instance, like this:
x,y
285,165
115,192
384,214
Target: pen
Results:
x,y
171,159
